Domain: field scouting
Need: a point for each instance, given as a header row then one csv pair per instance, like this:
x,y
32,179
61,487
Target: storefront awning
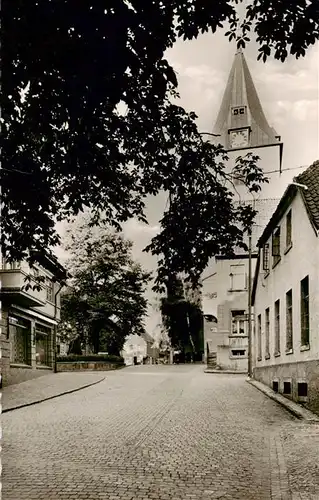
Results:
x,y
34,314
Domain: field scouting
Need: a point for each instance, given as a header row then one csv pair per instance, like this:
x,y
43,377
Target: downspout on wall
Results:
x,y
56,326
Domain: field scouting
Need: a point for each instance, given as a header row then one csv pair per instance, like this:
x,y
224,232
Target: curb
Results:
x,y
226,371
298,411
12,408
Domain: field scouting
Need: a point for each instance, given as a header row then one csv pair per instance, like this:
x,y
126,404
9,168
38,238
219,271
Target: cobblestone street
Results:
x,y
160,432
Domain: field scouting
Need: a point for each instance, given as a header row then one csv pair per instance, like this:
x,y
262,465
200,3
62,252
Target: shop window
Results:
x,y
43,342
20,340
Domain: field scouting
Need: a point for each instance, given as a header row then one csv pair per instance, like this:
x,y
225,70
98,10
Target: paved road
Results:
x,y
160,433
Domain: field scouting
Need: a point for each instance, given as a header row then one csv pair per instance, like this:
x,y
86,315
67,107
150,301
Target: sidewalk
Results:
x,y
46,387
297,410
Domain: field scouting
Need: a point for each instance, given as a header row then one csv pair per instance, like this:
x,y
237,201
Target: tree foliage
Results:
x,y
105,299
182,319
68,144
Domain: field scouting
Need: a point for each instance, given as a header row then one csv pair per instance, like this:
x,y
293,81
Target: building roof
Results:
x,y
147,337
240,91
309,178
310,196
265,209
51,263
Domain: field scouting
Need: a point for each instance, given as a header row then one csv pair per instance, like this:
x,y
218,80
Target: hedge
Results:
x,y
91,357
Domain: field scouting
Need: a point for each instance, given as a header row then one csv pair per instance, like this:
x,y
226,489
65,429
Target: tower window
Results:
x,y
239,110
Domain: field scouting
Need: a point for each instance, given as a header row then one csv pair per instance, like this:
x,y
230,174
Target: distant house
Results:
x,y
139,349
29,319
286,295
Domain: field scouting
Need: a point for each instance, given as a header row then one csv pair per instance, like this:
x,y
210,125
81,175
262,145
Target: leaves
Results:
x,y
88,119
105,299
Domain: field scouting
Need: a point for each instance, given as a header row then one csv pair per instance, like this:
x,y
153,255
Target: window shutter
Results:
x,y
266,257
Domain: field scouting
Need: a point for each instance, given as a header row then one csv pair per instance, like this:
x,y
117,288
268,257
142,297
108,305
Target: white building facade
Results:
x,y
286,295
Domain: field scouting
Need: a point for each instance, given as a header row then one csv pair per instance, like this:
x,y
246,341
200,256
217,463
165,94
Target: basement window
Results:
x,y
302,389
238,352
275,385
287,387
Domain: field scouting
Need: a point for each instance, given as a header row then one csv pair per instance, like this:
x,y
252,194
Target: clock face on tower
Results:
x,y
239,138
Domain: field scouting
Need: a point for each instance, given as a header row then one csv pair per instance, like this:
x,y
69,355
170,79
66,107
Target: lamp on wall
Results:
x,y
294,183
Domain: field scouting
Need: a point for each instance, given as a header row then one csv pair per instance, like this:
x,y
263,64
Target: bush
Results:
x,y
91,357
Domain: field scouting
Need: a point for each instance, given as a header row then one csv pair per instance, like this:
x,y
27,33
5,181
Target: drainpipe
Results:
x,y
56,326
249,310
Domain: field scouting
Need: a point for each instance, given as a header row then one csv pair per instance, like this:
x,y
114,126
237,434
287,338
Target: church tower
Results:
x,y
241,127
241,123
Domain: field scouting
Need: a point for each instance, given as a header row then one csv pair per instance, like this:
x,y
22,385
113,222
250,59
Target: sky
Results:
x,y
289,94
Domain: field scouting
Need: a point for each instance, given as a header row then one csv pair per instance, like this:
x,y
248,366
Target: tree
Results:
x,y
70,68
105,299
182,319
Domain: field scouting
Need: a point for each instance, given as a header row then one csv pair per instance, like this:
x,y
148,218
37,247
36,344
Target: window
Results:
x,y
287,387
266,257
238,352
276,246
302,389
238,179
239,111
42,341
288,229
35,272
277,327
10,265
237,277
20,340
50,289
289,340
275,385
304,311
238,323
259,336
267,328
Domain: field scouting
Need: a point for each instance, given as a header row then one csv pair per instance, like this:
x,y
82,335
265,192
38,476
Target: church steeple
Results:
x,y
241,122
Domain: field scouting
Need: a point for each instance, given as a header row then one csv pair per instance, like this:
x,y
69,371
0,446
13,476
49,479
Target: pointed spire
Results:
x,y
241,108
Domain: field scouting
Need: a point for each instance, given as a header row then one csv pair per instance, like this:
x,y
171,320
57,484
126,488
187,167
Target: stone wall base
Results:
x,y
306,371
15,375
225,362
69,366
